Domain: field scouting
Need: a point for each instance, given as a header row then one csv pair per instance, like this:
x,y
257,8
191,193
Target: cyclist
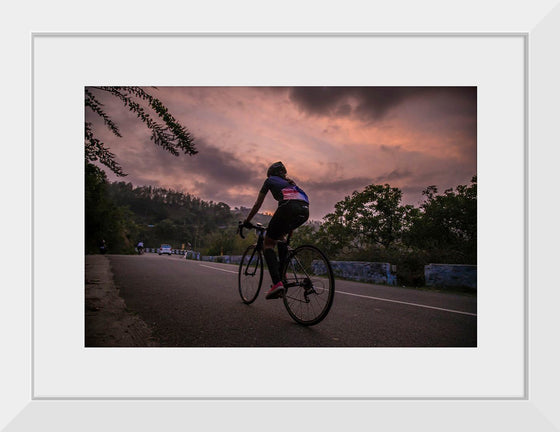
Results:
x,y
292,212
140,247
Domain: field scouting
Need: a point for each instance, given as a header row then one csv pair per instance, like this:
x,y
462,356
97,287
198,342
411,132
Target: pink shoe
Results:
x,y
276,291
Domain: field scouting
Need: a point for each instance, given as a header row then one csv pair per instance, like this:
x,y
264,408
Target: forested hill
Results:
x,y
152,205
167,216
122,215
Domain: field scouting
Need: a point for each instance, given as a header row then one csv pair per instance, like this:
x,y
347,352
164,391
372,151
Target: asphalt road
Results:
x,y
197,304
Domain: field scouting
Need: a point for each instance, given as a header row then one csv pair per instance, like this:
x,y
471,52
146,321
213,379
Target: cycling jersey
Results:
x,y
283,191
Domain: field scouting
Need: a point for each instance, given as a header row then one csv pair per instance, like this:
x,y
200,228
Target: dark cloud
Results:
x,y
392,176
219,168
374,103
344,110
390,149
223,167
319,100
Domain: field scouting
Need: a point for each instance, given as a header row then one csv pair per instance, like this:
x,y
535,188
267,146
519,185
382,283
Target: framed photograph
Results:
x,y
506,379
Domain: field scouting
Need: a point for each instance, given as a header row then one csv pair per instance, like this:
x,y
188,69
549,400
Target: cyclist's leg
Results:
x,y
277,227
275,232
286,218
277,288
283,251
271,259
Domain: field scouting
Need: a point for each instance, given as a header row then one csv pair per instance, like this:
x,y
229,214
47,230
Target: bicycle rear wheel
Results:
x,y
250,274
309,282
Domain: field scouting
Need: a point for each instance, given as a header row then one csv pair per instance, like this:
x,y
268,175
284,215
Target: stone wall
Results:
x,y
227,259
451,275
437,275
379,273
361,271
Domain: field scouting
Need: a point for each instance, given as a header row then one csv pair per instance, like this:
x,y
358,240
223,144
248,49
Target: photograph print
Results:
x,y
280,217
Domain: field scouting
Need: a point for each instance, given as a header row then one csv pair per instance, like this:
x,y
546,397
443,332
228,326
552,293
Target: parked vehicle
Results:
x,y
164,249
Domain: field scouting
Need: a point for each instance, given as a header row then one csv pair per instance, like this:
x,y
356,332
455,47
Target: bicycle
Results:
x,y
306,273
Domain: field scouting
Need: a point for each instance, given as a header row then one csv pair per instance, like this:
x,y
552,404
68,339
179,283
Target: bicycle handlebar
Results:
x,y
250,226
240,229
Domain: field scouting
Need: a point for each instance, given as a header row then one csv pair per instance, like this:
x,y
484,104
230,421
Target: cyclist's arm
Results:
x,y
256,207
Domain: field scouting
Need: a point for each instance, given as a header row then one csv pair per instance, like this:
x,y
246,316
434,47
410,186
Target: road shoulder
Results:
x,y
108,323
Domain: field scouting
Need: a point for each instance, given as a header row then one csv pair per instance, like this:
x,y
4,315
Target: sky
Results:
x,y
332,140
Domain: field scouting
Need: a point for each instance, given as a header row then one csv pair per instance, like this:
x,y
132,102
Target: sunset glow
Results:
x,y
332,140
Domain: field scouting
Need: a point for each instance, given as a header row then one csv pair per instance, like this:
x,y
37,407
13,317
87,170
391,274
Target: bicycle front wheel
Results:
x,y
250,274
309,283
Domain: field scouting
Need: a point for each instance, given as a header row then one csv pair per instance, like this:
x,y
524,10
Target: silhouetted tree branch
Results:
x,y
170,135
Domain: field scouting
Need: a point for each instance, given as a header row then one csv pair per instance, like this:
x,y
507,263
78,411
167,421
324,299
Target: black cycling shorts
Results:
x,y
288,216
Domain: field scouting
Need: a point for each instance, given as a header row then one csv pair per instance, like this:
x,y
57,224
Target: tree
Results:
x,y
378,215
446,224
305,234
171,135
372,217
337,232
221,241
104,220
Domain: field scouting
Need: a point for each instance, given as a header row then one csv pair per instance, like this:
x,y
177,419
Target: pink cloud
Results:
x,y
410,141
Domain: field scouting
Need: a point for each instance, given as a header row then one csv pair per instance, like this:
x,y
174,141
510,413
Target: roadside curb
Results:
x,y
108,323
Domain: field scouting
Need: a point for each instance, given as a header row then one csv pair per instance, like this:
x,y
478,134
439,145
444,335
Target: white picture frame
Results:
x,y
539,27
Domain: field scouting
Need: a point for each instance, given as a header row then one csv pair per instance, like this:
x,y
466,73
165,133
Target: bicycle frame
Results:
x,y
259,246
247,273
304,281
303,285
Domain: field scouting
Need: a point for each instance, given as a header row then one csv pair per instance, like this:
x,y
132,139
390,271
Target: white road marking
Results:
x,y
370,297
406,303
216,268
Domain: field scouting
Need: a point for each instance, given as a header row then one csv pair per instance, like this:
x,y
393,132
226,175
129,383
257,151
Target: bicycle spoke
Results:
x,y
310,285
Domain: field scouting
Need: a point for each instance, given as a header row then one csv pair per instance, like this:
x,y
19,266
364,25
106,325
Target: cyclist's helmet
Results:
x,y
276,169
